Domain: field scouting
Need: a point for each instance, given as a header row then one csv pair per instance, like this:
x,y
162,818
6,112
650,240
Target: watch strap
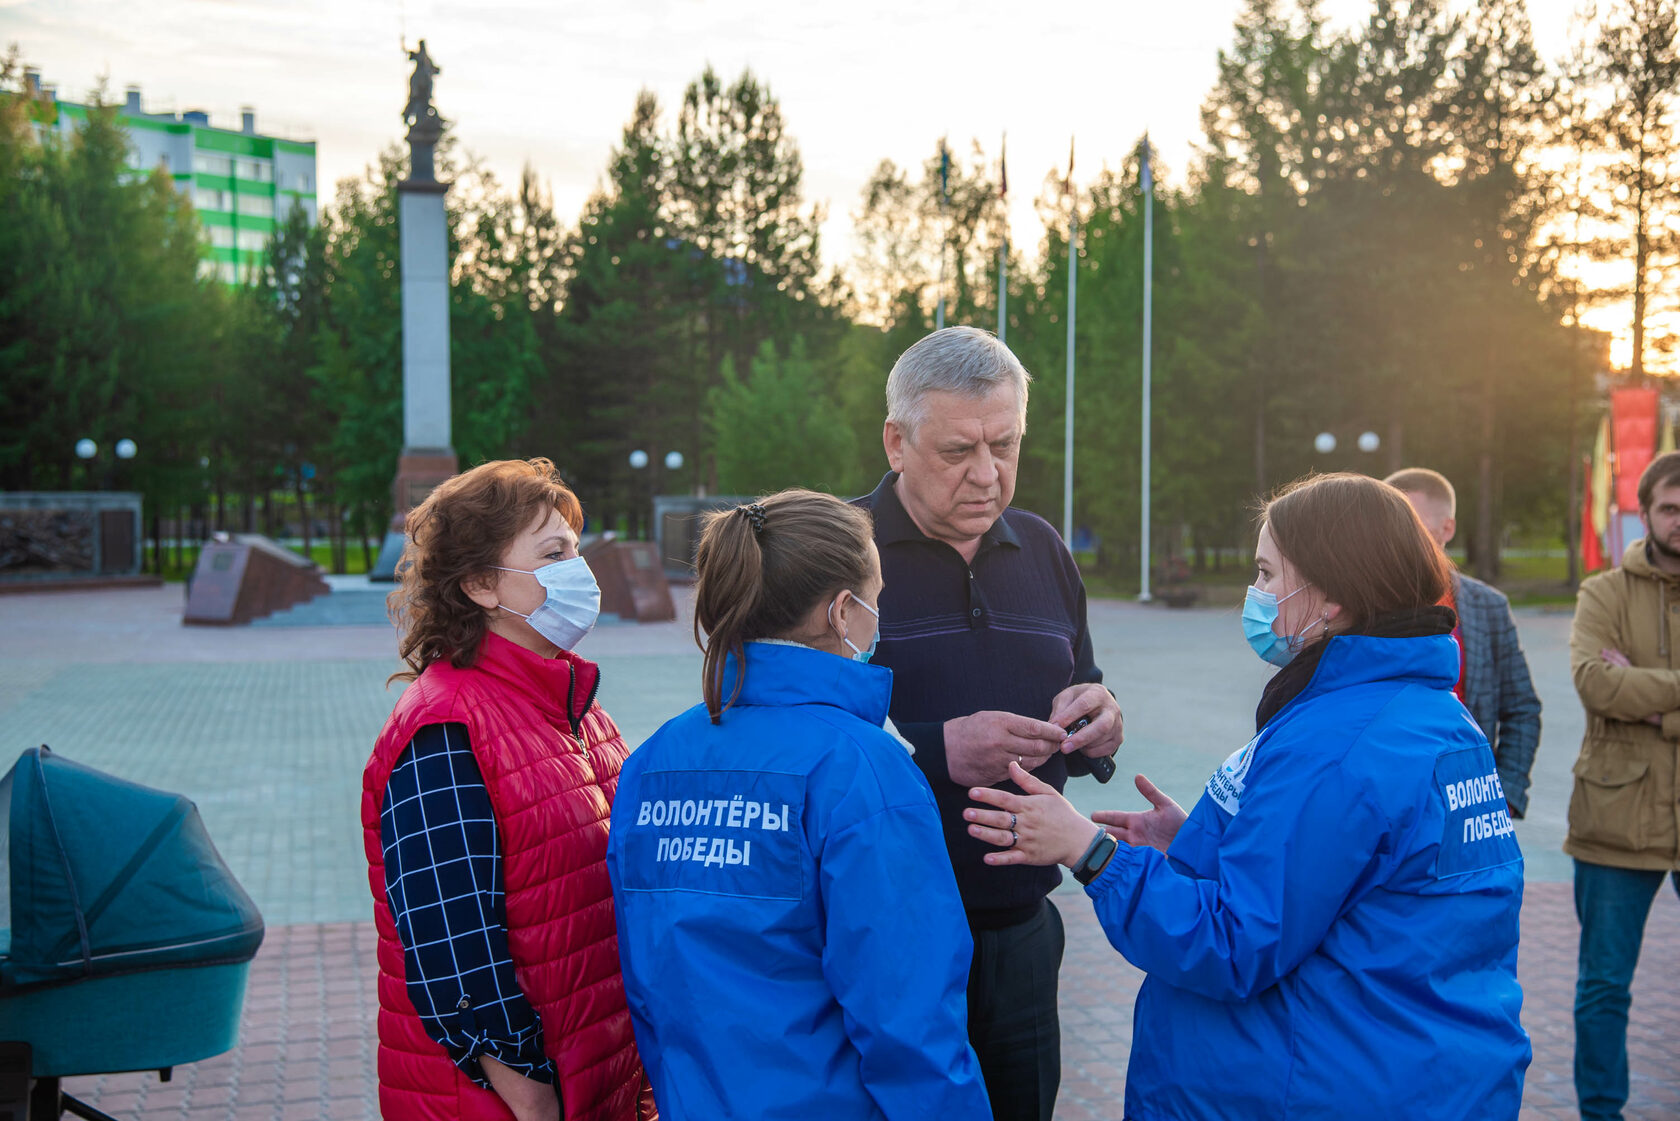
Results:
x,y
1096,857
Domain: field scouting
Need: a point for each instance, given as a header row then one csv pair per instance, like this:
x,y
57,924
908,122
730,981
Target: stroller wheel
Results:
x,y
48,1103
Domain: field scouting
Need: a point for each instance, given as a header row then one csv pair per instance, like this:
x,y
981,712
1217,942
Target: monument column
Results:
x,y
428,456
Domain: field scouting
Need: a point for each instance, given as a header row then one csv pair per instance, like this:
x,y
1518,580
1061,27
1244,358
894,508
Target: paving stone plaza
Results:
x,y
267,729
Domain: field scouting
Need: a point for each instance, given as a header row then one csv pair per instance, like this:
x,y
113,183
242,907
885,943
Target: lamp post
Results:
x,y
124,450
87,450
639,460
1325,442
638,464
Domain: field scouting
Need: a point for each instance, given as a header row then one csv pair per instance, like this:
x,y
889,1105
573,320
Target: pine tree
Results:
x,y
1636,62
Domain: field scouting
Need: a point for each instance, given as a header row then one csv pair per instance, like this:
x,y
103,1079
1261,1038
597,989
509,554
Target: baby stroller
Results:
x,y
124,939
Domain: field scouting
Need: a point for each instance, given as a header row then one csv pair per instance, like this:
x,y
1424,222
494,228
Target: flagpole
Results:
x,y
1003,252
944,231
1067,450
1148,298
1003,292
939,316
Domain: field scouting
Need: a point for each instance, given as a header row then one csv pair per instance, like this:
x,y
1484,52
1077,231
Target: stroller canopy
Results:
x,y
104,876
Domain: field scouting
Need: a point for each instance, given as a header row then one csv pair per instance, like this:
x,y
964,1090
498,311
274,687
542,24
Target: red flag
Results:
x,y
1633,424
1592,549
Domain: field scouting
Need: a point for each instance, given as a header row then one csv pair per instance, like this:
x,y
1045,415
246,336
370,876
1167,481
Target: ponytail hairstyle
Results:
x,y
762,567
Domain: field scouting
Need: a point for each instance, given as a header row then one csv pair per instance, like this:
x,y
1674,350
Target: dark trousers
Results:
x,y
1012,1019
1612,905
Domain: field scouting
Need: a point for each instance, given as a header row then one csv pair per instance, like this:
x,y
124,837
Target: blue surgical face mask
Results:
x,y
858,653
572,605
1260,612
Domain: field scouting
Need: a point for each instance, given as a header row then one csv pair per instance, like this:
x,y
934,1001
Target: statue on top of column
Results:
x,y
420,114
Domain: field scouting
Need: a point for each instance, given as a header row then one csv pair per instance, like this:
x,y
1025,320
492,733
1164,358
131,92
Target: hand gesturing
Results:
x,y
1155,827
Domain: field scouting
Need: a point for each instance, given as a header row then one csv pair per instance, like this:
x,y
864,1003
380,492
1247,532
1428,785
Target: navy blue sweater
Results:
x,y
1006,632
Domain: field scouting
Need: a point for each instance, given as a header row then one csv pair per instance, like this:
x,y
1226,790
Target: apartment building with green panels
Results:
x,y
243,184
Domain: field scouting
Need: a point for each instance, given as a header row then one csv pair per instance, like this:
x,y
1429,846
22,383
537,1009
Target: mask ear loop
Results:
x,y
1298,642
856,649
505,607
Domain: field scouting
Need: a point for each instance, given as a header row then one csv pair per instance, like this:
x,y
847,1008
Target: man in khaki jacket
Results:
x,y
1624,650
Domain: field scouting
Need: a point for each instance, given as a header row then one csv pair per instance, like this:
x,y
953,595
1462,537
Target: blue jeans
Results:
x,y
1612,905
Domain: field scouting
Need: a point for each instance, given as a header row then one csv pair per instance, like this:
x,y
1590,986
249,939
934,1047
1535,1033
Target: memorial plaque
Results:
x,y
119,541
680,534
213,594
47,541
632,581
677,523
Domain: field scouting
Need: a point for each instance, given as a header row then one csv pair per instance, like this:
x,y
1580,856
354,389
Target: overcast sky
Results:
x,y
552,83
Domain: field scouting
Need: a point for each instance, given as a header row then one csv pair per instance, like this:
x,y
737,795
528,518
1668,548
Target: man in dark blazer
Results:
x,y
1494,682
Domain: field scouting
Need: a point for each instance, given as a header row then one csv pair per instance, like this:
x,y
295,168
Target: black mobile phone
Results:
x,y
1102,766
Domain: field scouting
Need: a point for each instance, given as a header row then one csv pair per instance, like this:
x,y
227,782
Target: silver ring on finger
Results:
x,y
1014,837
1012,823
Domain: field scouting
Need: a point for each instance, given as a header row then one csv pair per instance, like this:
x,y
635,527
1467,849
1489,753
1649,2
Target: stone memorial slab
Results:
x,y
246,577
62,537
632,580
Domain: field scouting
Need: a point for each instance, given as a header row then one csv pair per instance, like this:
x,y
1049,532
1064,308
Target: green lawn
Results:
x,y
354,563
1531,577
319,552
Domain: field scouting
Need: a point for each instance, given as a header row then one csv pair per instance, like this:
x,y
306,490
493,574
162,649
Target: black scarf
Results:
x,y
1288,682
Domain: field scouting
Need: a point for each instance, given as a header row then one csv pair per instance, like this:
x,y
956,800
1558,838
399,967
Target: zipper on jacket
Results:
x,y
1662,618
571,705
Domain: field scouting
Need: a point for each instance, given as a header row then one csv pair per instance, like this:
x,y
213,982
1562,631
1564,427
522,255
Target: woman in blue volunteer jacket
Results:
x,y
792,940
1332,930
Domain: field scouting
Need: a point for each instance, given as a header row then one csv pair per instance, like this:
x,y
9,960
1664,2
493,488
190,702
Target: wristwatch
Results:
x,y
1096,858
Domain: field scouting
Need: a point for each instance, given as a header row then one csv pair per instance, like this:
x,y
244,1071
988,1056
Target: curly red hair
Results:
x,y
460,532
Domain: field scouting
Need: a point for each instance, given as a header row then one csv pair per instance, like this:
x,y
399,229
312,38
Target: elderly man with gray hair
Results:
x,y
983,625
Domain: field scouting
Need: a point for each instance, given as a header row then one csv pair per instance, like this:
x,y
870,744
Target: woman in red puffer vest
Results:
x,y
485,807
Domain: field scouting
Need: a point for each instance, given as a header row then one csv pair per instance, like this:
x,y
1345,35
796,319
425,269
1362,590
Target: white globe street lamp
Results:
x,y
1369,442
126,449
638,459
1324,443
86,448
673,461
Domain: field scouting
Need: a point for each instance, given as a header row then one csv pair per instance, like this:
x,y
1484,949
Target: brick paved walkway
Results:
x,y
306,1042
1098,988
307,1052
267,730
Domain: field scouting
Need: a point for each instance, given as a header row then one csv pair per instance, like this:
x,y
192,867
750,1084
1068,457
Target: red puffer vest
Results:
x,y
550,758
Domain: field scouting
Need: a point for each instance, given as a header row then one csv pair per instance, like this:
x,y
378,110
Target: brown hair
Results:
x,y
459,532
1360,543
1663,470
1431,484
763,566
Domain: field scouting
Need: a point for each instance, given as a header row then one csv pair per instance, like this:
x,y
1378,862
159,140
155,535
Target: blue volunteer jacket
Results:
x,y
1333,932
792,939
